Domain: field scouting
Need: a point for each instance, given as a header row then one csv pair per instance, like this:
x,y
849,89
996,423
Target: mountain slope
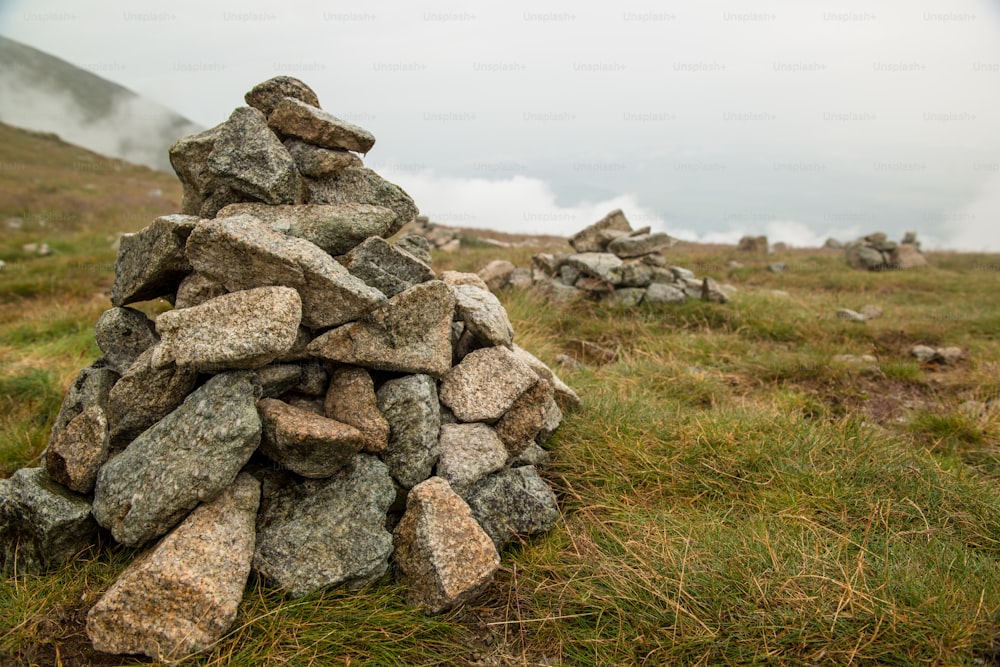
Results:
x,y
41,92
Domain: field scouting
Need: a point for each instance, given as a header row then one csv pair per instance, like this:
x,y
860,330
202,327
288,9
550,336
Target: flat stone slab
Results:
x,y
317,162
327,532
602,265
363,186
42,525
268,94
643,244
444,557
241,252
411,333
294,118
485,384
244,329
187,457
182,595
304,442
336,228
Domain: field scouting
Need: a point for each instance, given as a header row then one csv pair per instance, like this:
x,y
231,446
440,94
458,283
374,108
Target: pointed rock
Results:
x,y
90,388
411,333
242,253
327,532
304,442
123,334
266,95
244,329
565,396
42,525
351,399
187,457
295,118
444,557
410,406
591,239
364,186
515,501
79,451
182,595
386,267
485,384
522,423
483,314
469,452
151,262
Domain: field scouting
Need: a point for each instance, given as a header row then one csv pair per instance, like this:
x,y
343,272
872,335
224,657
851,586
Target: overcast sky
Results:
x,y
707,120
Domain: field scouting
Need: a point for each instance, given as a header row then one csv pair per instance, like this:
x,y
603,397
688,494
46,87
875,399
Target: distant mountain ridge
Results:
x,y
41,92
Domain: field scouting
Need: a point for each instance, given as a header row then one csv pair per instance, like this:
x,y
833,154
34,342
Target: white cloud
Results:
x,y
976,226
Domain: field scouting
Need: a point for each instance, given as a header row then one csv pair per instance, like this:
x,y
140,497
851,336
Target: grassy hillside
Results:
x,y
729,494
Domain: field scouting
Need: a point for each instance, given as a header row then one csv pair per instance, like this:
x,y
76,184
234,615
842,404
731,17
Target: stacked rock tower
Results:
x,y
318,406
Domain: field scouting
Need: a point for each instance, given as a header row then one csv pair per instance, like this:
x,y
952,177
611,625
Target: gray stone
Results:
x,y
151,262
144,395
557,292
520,279
244,329
833,244
711,291
907,256
659,293
455,278
295,118
681,273
862,257
595,287
545,265
552,417
314,380
416,245
189,158
334,228
871,311
351,399
187,457
242,253
533,455
317,162
850,315
78,452
182,595
756,244
277,379
363,186
521,424
923,352
444,557
777,267
644,244
636,274
469,452
90,388
388,268
497,274
590,239
196,289
485,384
483,314
327,532
410,406
409,334
625,297
513,502
42,525
266,95
248,158
123,334
304,442
601,265
565,396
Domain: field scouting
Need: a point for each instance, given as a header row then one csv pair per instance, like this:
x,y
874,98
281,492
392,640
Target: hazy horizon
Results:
x,y
708,122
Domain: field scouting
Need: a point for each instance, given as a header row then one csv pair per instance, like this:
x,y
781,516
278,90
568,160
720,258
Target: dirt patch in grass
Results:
x,y
62,640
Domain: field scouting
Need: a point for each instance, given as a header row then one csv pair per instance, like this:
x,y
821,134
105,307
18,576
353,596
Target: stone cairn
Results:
x,y
317,406
876,253
438,236
616,264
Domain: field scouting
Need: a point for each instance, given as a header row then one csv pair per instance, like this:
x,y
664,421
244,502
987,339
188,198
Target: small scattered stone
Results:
x,y
850,315
757,244
871,312
777,267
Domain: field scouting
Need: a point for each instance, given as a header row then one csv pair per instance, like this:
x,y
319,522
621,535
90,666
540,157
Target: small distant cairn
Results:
x,y
317,407
438,236
875,252
754,244
616,264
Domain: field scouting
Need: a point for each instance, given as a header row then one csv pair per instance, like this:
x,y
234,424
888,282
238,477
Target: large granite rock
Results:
x,y
90,388
78,452
42,525
485,384
295,118
248,158
386,267
151,262
483,314
304,442
591,238
363,186
320,163
244,329
326,532
182,595
336,228
444,557
513,502
601,265
242,253
266,95
350,398
467,453
409,334
410,406
123,334
186,458
189,158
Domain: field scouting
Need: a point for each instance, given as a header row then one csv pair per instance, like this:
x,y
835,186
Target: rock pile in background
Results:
x,y
438,236
754,244
620,265
875,252
313,387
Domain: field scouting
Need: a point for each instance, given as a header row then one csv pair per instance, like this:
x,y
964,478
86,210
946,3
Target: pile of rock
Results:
x,y
438,236
312,418
754,244
620,265
875,252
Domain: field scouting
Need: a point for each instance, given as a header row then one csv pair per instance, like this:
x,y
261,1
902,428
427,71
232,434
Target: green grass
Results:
x,y
729,495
